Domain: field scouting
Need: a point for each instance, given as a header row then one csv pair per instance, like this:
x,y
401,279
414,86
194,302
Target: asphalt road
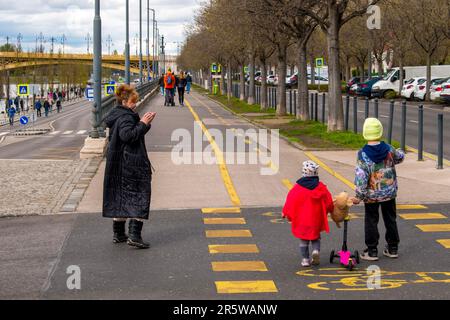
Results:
x,y
199,255
69,129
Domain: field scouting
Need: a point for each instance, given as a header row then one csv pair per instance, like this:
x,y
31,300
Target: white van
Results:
x,y
390,84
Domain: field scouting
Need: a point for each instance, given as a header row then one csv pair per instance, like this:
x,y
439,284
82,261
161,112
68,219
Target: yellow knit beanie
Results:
x,y
373,130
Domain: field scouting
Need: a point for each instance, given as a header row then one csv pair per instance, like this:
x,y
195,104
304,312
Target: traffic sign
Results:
x,y
23,90
246,69
216,68
320,62
24,120
90,94
110,89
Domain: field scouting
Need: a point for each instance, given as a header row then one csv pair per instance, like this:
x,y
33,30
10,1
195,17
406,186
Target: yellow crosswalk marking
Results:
x,y
237,266
445,243
410,207
210,221
288,184
233,248
228,234
422,216
434,227
221,210
235,287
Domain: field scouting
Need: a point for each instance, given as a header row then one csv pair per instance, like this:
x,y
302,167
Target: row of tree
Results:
x,y
288,33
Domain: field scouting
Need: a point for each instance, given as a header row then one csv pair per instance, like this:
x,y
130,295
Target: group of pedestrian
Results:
x,y
309,202
171,84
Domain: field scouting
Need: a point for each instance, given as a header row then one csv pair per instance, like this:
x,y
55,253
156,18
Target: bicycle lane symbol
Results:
x,y
338,279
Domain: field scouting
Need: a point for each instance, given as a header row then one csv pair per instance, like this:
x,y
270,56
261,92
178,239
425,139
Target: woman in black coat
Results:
x,y
128,175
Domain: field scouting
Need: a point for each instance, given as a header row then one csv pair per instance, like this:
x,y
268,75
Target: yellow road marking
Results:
x,y
228,234
434,227
221,210
410,207
220,159
422,216
329,170
288,184
233,248
445,243
236,266
210,221
235,287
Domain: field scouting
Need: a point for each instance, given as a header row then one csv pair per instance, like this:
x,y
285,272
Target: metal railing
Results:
x,y
108,103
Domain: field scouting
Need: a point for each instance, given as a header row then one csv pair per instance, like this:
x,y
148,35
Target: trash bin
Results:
x,y
216,89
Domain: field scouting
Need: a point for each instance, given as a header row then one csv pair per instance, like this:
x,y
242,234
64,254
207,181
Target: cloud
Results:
x,y
74,19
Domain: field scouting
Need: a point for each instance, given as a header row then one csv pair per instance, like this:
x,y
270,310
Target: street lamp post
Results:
x,y
97,72
153,42
141,75
148,40
127,43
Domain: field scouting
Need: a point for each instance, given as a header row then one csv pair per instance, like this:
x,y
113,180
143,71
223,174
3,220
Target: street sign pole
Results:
x,y
127,43
97,72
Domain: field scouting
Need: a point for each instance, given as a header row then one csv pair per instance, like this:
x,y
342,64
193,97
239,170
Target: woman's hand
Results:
x,y
356,201
148,118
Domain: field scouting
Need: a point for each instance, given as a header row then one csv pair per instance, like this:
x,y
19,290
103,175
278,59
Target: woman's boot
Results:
x,y
135,238
119,232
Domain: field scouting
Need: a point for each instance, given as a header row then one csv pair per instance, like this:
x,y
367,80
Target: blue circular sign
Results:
x,y
24,120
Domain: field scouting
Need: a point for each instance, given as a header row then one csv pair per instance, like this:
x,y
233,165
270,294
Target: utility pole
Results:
x,y
63,42
19,42
109,43
148,40
127,43
141,75
135,41
163,52
52,40
88,40
41,43
96,110
153,43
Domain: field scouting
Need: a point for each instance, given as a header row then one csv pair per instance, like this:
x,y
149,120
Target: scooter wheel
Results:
x,y
350,265
332,256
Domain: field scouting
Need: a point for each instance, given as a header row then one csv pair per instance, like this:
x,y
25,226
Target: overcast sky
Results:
x,y
74,19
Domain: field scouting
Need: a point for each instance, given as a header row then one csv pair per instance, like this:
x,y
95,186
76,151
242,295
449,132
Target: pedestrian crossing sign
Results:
x,y
320,63
110,89
23,90
216,68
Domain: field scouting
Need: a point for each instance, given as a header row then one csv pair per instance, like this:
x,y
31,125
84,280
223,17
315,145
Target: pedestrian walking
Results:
x,y
128,174
38,107
377,186
22,105
46,108
169,85
188,83
17,104
307,207
59,105
11,114
161,84
182,83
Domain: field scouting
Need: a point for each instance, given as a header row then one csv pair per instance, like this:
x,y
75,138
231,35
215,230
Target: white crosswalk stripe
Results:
x,y
3,134
68,132
82,132
54,133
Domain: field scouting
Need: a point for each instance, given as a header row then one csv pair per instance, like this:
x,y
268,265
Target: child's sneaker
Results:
x,y
315,258
391,252
306,263
369,255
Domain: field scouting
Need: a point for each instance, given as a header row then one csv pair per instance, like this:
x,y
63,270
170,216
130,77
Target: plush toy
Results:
x,y
342,205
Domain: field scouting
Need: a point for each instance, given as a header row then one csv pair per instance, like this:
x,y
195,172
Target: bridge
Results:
x,y
15,60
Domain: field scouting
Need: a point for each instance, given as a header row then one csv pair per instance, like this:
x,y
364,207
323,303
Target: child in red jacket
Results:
x,y
307,207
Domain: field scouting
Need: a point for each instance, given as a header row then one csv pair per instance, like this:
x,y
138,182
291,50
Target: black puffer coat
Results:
x,y
128,175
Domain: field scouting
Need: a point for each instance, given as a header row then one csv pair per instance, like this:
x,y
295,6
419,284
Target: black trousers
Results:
x,y
38,112
389,212
181,94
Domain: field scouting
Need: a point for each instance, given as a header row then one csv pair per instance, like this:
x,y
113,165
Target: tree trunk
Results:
x,y
242,82
427,96
229,80
222,83
348,72
264,105
303,96
251,91
336,109
282,68
380,67
402,80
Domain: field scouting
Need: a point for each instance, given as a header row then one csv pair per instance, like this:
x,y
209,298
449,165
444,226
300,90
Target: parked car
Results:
x,y
352,82
272,79
353,89
411,86
421,90
365,89
318,79
436,88
445,94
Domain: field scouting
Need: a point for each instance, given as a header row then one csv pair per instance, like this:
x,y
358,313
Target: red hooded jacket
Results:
x,y
308,211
